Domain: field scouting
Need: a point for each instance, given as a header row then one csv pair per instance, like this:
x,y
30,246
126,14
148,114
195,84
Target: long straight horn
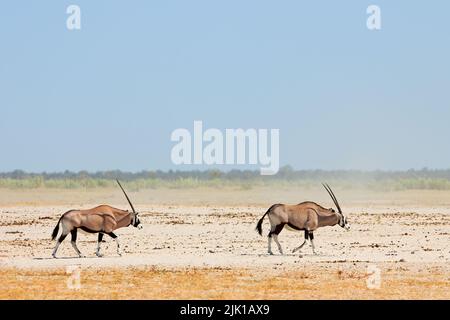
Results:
x,y
126,196
333,197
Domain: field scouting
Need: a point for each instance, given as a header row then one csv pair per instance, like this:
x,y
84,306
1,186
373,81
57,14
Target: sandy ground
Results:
x,y
207,248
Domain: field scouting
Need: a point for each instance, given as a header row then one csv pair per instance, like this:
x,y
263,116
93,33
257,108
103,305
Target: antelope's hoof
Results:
x,y
54,256
81,256
99,255
270,253
119,253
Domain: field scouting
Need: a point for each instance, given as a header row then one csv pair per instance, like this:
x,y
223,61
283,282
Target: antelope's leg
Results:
x,y
277,230
269,244
311,238
304,242
100,239
74,242
269,239
112,235
275,237
61,239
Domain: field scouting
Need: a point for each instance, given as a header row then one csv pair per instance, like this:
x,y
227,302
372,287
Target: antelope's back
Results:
x,y
302,216
106,209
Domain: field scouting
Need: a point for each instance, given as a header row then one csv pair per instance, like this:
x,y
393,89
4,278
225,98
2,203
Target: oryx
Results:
x,y
307,216
103,219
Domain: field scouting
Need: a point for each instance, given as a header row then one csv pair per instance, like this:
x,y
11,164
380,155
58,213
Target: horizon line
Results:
x,y
286,168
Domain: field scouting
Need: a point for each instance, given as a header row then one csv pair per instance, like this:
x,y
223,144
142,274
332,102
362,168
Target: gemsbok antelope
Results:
x,y
103,219
307,216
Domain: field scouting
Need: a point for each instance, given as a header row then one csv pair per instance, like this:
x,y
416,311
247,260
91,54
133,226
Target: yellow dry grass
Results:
x,y
219,283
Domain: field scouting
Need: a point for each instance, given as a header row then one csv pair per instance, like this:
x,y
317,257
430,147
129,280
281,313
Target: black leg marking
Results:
x,y
311,235
278,229
74,242
62,237
74,235
306,234
100,239
112,235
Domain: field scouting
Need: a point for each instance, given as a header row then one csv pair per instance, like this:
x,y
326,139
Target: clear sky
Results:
x,y
109,95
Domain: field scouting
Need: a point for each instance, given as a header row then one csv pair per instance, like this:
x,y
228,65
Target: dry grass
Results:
x,y
341,282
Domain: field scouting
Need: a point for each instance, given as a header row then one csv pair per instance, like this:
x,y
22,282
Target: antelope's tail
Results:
x,y
259,225
55,231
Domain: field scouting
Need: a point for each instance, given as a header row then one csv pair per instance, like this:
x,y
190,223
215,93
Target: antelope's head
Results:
x,y
135,221
342,219
343,223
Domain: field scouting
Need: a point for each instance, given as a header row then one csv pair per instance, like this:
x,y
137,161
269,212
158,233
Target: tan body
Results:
x,y
307,216
103,218
304,216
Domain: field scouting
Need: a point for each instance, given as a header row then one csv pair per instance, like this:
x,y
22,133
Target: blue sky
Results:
x,y
109,95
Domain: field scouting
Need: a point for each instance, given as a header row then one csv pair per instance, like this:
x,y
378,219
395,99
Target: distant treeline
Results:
x,y
385,180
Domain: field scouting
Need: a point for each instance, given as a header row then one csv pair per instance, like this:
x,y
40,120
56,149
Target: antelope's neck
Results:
x,y
330,220
338,218
124,221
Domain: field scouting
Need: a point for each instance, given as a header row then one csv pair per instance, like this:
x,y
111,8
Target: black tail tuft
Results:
x,y
55,231
259,225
